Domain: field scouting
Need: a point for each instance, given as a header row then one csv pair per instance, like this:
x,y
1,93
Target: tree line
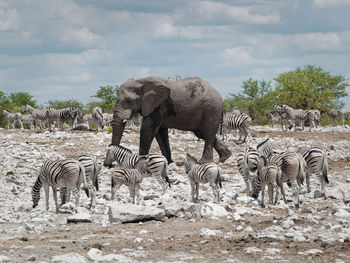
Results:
x,y
308,87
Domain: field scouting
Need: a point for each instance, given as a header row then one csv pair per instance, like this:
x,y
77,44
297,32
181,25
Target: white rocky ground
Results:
x,y
170,228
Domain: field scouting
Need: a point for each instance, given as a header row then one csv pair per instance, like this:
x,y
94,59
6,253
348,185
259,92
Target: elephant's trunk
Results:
x,y
118,126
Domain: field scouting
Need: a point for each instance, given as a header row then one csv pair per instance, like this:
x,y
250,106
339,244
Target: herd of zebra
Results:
x,y
259,166
40,118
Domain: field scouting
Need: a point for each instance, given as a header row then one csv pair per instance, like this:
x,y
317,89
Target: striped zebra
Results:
x,y
267,175
305,115
335,114
28,120
18,121
53,115
273,119
70,115
95,117
241,121
38,115
131,177
277,108
317,163
317,114
247,161
157,164
202,173
10,117
293,167
66,173
107,117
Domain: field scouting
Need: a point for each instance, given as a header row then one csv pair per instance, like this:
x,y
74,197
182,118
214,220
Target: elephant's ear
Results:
x,y
153,96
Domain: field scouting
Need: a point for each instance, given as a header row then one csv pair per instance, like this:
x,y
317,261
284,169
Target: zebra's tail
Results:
x,y
164,174
83,178
301,172
112,181
325,167
96,177
218,179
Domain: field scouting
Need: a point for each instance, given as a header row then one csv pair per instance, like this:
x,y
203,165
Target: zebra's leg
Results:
x,y
133,193
215,192
47,191
137,192
295,194
54,193
114,190
193,186
282,192
197,192
270,191
92,195
308,181
247,184
262,194
322,182
76,194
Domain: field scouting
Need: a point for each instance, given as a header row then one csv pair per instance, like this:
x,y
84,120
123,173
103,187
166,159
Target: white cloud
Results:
x,y
79,36
235,57
331,3
211,11
9,19
317,41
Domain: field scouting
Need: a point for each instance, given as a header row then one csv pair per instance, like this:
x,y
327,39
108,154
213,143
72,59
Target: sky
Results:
x,y
67,49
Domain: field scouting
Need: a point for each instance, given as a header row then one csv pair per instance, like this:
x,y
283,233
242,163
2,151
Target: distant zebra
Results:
x,y
70,115
317,114
202,173
335,114
66,173
273,119
53,115
18,121
267,175
10,119
107,117
38,115
96,118
28,119
293,167
131,177
305,115
242,122
157,164
317,163
277,108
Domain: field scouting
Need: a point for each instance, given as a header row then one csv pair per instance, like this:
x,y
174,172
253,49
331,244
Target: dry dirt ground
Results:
x,y
178,239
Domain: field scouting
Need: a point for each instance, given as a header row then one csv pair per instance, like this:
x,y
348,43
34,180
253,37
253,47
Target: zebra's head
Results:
x,y
108,162
189,162
36,198
256,188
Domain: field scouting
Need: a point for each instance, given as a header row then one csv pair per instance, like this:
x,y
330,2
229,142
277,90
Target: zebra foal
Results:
x,y
157,165
66,173
241,121
129,177
266,175
202,173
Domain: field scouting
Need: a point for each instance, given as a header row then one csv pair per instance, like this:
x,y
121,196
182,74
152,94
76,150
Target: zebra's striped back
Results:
x,y
123,156
237,121
265,147
267,175
126,176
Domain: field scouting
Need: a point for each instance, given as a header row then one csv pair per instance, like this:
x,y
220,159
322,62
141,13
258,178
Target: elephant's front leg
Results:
x,y
147,134
162,138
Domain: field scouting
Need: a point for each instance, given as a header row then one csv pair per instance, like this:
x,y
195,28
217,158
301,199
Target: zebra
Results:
x,y
131,177
96,117
69,114
18,121
273,119
157,164
305,115
28,119
317,163
267,175
241,121
10,118
38,115
247,161
293,167
335,114
107,117
317,115
53,115
67,173
277,108
202,173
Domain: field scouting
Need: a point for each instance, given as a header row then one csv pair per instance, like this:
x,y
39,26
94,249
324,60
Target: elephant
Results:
x,y
190,104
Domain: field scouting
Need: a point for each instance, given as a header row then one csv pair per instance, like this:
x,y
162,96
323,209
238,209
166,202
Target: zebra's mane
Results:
x,y
268,138
192,158
122,147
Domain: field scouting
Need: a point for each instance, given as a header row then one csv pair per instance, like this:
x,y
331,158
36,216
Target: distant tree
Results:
x,y
60,104
19,99
108,96
310,88
255,99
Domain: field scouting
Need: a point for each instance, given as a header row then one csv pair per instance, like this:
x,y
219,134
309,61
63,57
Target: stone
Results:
x,y
80,218
311,252
209,232
213,210
252,250
4,259
95,254
68,258
31,258
128,213
173,209
287,223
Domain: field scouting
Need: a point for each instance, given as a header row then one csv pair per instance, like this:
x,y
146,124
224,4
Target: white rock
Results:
x,y
239,228
4,259
311,252
253,250
209,232
68,258
213,210
287,223
95,254
80,218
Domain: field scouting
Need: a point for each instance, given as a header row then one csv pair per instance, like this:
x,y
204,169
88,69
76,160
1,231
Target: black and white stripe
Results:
x,y
66,173
336,114
10,117
39,116
241,122
302,116
129,177
157,165
317,163
202,173
70,115
267,175
28,120
95,117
